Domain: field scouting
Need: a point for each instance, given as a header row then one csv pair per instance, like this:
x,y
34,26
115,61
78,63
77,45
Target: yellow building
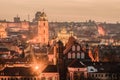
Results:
x,y
64,35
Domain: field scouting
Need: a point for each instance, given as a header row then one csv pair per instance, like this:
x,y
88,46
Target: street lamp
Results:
x,y
36,67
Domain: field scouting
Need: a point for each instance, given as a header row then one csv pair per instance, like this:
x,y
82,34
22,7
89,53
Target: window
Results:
x,y
109,75
50,78
34,78
96,75
69,55
43,78
44,39
78,55
44,24
91,70
82,55
106,75
2,73
101,75
73,55
73,48
44,31
114,75
78,48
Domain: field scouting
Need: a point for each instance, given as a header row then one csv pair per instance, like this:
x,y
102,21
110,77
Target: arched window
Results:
x,y
34,78
92,75
82,55
44,24
73,48
78,55
50,78
73,55
44,31
78,48
69,55
42,78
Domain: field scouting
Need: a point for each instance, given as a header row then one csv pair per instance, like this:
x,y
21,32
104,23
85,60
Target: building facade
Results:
x,y
3,33
43,29
39,27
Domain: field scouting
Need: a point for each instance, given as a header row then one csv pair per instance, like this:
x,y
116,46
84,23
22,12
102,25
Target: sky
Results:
x,y
62,10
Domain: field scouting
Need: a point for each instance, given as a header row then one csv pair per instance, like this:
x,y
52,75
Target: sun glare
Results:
x,y
36,67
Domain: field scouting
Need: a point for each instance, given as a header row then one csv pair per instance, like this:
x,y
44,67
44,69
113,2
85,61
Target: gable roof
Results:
x,y
50,69
77,64
69,44
14,71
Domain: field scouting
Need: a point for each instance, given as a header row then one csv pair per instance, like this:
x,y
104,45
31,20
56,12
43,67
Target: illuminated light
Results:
x,y
101,30
36,67
23,36
91,56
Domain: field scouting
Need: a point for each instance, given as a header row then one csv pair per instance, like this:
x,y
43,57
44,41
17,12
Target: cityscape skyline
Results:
x,y
62,10
79,46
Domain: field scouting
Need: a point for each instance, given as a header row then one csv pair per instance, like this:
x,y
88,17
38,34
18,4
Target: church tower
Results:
x,y
43,29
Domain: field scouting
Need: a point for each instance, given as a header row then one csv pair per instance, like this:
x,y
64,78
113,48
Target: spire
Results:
x,y
43,17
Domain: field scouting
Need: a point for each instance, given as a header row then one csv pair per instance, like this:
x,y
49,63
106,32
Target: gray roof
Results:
x,y
50,69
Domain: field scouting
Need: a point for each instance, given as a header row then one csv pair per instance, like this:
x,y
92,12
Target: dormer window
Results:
x,y
73,55
50,78
2,73
44,31
78,55
82,55
42,78
91,70
73,48
69,55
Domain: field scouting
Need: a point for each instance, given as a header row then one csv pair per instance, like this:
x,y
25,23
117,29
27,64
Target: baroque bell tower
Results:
x,y
43,29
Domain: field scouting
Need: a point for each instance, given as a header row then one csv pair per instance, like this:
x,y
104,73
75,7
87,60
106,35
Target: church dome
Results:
x,y
43,16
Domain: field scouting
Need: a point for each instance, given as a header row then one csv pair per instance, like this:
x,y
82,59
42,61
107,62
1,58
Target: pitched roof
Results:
x,y
50,69
69,44
105,67
20,71
16,60
3,48
77,64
